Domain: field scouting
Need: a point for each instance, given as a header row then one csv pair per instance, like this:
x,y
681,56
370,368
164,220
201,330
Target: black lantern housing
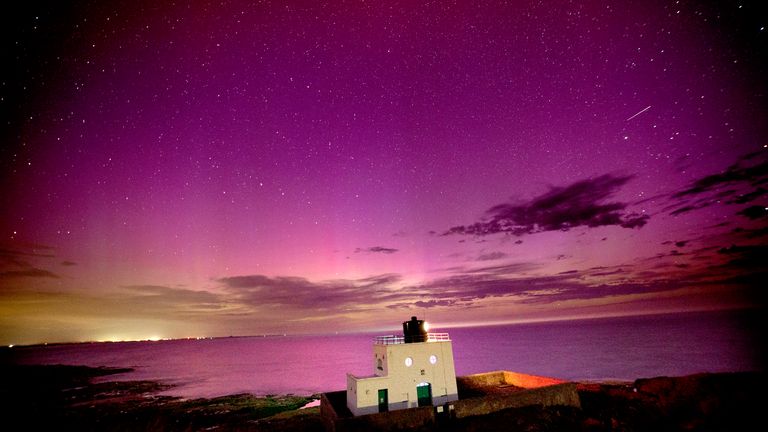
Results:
x,y
414,331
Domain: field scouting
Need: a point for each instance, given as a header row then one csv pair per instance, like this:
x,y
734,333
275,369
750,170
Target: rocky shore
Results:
x,y
66,398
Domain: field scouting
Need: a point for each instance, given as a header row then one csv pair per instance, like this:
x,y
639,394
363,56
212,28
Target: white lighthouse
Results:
x,y
409,371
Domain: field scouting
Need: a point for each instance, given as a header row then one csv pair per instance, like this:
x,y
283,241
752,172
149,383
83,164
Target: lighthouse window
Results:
x,y
408,361
433,359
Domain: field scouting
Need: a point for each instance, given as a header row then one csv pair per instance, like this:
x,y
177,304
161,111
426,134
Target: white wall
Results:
x,y
401,380
363,394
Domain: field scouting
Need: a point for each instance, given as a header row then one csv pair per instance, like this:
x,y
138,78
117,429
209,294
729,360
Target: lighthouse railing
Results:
x,y
388,340
437,337
394,340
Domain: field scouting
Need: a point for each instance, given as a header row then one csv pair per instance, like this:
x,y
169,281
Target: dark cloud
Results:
x,y
20,261
19,257
28,249
170,299
338,296
573,291
750,196
249,281
298,292
434,303
754,212
465,290
635,220
28,273
681,243
605,271
428,304
750,233
745,257
741,172
467,287
9,259
379,280
740,183
131,302
584,203
502,269
491,256
743,268
376,249
686,209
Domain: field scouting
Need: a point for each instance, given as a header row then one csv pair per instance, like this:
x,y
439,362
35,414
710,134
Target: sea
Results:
x,y
600,349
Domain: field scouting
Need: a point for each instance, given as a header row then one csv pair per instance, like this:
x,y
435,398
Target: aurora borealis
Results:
x,y
234,168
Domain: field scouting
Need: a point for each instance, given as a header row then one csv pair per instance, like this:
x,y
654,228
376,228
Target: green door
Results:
x,y
383,400
424,393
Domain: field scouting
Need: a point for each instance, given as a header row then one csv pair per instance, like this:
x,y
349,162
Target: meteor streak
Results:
x,y
639,112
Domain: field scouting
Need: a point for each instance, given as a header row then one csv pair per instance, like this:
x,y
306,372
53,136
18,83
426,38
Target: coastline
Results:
x,y
49,397
61,397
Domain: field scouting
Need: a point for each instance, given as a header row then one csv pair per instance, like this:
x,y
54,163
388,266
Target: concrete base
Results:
x,y
479,394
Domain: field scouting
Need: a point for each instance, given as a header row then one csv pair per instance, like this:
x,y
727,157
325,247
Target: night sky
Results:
x,y
228,168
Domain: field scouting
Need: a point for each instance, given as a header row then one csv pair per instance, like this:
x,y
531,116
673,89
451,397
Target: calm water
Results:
x,y
610,348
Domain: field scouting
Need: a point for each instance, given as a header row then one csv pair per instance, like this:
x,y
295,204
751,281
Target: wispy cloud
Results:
x,y
678,243
738,267
754,212
161,291
376,249
24,261
463,287
10,256
160,299
28,273
581,204
741,183
299,292
490,256
748,169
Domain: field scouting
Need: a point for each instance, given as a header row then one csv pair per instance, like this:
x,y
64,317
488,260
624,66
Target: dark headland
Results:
x,y
67,398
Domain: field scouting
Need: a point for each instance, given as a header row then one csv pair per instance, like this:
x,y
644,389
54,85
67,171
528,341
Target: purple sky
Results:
x,y
224,168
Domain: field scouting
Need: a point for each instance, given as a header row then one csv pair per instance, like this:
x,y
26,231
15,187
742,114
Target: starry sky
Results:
x,y
214,168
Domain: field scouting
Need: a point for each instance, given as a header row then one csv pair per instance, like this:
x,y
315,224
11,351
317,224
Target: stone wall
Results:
x,y
502,377
560,394
532,390
529,381
328,405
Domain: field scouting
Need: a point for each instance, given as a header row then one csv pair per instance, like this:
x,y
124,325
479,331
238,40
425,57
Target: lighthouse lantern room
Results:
x,y
412,370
